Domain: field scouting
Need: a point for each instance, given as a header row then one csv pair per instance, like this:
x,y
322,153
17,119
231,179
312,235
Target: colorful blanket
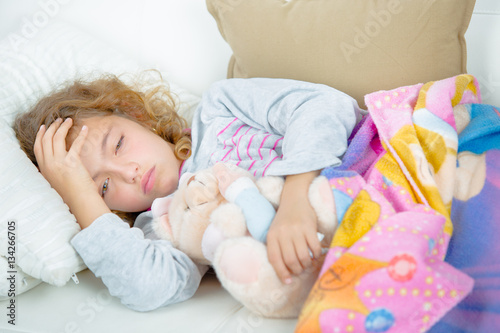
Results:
x,y
425,155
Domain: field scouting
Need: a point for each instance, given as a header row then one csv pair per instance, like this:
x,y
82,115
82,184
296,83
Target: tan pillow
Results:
x,y
356,46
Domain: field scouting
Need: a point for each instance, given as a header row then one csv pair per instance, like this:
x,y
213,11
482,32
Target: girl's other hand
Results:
x,y
293,233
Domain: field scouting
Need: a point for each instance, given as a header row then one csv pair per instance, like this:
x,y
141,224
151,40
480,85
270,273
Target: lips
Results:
x,y
148,180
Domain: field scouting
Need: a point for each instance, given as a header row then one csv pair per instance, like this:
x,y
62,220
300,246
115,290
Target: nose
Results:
x,y
126,171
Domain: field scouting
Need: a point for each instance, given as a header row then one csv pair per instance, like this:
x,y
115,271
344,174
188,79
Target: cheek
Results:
x,y
127,201
166,183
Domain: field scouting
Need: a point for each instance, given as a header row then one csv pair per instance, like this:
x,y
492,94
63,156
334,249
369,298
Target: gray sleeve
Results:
x,y
314,119
143,273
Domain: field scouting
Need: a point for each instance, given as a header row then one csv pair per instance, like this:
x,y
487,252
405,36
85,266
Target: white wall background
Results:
x,y
180,37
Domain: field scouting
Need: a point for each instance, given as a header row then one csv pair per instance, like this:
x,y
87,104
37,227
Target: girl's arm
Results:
x,y
143,273
293,231
315,122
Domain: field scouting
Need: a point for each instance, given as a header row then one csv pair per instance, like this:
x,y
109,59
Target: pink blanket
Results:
x,y
385,270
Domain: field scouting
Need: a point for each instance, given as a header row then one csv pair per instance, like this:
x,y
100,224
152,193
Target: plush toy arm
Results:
x,y
258,211
226,221
241,190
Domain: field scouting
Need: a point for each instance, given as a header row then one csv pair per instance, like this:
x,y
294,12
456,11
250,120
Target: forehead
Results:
x,y
100,125
98,128
96,125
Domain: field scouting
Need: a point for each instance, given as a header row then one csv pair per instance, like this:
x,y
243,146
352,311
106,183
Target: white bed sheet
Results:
x,y
88,307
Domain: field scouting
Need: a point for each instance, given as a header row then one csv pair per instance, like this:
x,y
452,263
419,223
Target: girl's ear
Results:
x,y
161,206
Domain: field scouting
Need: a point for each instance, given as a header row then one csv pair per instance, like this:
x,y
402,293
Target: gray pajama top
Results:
x,y
267,126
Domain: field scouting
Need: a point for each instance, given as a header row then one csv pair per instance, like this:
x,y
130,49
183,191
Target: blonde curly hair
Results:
x,y
152,106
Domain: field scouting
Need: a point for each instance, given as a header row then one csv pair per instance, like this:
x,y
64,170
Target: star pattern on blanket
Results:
x,y
361,215
337,289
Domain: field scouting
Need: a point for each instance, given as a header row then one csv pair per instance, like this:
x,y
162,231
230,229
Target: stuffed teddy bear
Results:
x,y
220,217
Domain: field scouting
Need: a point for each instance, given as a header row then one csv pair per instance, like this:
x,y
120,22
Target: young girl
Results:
x,y
106,147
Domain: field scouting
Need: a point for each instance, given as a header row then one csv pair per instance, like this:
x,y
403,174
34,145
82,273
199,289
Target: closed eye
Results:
x,y
119,144
187,209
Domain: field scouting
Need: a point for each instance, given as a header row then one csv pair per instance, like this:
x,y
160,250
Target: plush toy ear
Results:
x,y
160,206
167,228
185,176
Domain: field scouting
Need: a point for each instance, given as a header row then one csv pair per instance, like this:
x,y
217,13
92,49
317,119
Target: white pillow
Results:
x,y
29,69
35,221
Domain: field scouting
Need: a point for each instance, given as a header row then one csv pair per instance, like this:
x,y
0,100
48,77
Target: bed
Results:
x,y
193,44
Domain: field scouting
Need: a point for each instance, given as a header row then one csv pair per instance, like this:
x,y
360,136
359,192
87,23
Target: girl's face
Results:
x,y
130,165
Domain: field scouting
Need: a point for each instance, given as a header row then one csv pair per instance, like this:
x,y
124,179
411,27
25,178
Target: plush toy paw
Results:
x,y
323,202
242,267
226,175
229,219
271,188
212,238
226,221
239,262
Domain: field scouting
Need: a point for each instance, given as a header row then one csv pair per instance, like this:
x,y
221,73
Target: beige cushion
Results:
x,y
356,46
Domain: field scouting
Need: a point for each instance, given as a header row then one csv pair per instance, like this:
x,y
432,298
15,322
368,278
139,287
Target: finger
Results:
x,y
276,260
38,147
77,145
289,253
73,156
47,140
59,140
296,256
314,244
302,255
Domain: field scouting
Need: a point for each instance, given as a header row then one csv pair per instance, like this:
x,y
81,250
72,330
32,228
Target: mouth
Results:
x,y
148,180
